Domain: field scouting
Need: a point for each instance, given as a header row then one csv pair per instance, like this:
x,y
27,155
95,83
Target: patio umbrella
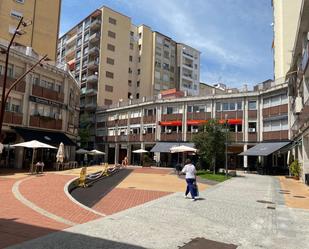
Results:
x,y
140,151
82,151
60,153
96,153
34,144
182,148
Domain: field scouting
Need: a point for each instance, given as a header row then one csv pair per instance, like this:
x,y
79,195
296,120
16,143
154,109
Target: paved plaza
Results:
x,y
248,211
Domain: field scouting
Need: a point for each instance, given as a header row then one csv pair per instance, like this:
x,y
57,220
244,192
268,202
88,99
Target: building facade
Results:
x,y
115,60
298,80
42,34
285,20
44,106
253,117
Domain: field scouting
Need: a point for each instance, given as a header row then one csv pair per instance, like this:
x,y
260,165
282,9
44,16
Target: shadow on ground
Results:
x,y
91,195
13,233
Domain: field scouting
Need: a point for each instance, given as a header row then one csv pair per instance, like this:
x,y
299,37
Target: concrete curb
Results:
x,y
66,191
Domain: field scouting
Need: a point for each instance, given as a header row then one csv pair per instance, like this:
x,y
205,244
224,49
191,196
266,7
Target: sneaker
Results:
x,y
194,199
186,197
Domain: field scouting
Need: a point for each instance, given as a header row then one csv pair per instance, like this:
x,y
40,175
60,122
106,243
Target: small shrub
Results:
x,y
295,168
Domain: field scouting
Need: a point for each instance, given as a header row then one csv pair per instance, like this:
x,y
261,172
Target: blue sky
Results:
x,y
234,36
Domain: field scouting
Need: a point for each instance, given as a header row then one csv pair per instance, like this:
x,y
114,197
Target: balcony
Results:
x,y
91,105
134,138
149,119
94,37
45,122
20,86
91,91
13,118
122,122
199,115
93,64
149,137
92,78
110,123
47,93
111,138
135,120
70,40
94,50
95,24
171,117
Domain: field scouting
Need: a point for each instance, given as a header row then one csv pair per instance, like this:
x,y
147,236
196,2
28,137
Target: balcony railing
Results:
x,y
149,137
13,118
171,137
47,93
45,122
20,87
92,78
93,64
94,37
94,50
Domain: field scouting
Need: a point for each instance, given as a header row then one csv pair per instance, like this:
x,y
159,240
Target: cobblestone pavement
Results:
x,y
246,211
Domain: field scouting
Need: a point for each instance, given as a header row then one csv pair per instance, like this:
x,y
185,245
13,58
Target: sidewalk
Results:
x,y
245,211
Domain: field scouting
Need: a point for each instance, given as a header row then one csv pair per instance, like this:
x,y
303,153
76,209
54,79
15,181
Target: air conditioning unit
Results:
x,y
144,131
251,129
298,105
168,131
195,130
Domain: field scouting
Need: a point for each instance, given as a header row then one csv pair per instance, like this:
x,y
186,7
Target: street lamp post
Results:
x,y
5,93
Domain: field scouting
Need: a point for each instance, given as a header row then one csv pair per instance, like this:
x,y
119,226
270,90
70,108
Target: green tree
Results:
x,y
210,142
84,130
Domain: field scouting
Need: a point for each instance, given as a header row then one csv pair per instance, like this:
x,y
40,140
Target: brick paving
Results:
x,y
19,223
120,199
47,193
149,170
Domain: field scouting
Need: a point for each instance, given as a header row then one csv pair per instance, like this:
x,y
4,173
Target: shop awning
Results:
x,y
264,149
52,138
165,147
170,123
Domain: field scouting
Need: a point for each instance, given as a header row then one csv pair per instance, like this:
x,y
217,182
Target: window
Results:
x,y
111,34
131,33
112,20
140,35
218,107
157,75
78,53
108,88
252,105
131,45
138,71
239,106
16,14
130,70
225,106
86,49
130,58
20,1
166,54
79,41
108,102
137,96
166,66
110,61
86,37
139,59
139,47
110,47
232,106
158,64
109,75
252,127
137,83
130,82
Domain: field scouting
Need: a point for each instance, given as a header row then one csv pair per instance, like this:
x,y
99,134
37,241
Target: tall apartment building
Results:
x,y
286,15
42,35
115,60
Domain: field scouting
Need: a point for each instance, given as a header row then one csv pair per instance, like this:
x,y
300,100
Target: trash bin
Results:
x,y
307,178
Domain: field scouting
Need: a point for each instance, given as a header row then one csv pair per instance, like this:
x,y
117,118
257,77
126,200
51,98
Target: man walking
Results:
x,y
190,172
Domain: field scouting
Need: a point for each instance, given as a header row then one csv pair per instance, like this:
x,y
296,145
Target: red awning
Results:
x,y
231,121
170,123
196,122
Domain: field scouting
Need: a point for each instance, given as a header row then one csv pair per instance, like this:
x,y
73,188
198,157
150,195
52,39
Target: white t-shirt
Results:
x,y
190,171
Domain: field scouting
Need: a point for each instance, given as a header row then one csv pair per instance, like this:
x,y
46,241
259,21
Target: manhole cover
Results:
x,y
266,202
299,196
201,243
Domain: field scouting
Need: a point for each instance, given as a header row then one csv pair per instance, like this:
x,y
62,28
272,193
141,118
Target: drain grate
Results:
x,y
266,202
202,243
299,196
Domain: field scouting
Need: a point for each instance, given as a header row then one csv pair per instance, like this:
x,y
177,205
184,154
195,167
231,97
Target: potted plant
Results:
x,y
295,169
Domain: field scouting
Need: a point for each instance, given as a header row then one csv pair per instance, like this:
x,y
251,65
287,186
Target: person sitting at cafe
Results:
x,y
39,165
